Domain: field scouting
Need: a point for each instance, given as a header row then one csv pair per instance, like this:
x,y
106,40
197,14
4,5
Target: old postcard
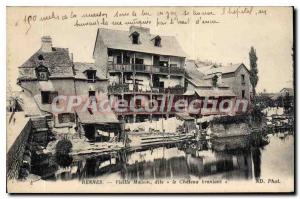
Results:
x,y
150,100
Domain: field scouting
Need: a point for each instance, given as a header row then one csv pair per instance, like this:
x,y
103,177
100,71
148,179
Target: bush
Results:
x,y
63,160
257,114
63,147
230,119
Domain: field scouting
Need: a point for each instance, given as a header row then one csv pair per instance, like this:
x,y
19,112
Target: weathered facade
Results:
x,y
201,87
138,63
51,72
235,76
287,91
41,76
132,65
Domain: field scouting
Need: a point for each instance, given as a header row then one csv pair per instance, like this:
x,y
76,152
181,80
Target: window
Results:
x,y
119,60
243,94
91,75
139,61
128,77
41,57
92,95
66,118
135,38
138,103
126,59
155,81
243,79
42,73
48,96
161,84
42,76
157,41
215,81
164,63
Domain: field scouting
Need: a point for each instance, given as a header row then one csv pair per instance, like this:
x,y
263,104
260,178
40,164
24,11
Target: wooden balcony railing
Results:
x,y
123,88
118,88
145,68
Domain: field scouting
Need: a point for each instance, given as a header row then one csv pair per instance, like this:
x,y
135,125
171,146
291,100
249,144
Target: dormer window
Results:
x,y
215,81
91,75
41,57
135,37
157,41
243,79
42,73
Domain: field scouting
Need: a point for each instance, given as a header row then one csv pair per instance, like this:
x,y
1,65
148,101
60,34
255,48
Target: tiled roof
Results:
x,y
215,92
197,79
290,91
81,67
120,39
195,76
207,70
200,76
189,93
58,63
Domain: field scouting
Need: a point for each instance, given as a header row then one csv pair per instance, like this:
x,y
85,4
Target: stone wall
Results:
x,y
15,153
234,80
230,129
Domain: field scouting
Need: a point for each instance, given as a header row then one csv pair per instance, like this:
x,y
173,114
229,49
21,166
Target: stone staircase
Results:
x,y
41,128
39,123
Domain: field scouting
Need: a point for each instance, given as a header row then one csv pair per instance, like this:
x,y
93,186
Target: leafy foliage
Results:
x,y
231,119
63,147
253,69
263,101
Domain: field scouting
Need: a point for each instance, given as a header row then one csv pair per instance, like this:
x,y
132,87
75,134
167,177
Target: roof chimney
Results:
x,y
46,44
71,56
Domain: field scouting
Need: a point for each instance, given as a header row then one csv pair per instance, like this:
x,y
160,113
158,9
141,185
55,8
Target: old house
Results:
x,y
287,91
236,76
209,90
42,74
138,63
51,72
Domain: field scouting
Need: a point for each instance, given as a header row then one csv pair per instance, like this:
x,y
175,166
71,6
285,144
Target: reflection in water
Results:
x,y
256,156
228,158
63,160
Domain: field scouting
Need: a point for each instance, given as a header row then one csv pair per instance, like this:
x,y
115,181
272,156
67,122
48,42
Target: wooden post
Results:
x,y
169,64
122,61
133,83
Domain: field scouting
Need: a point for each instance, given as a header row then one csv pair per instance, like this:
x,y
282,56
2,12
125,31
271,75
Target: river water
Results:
x,y
237,158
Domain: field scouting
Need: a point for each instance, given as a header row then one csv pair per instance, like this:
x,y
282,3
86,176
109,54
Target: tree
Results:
x,y
63,147
253,69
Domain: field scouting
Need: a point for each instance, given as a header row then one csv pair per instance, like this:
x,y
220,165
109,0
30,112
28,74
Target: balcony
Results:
x,y
145,69
118,88
124,88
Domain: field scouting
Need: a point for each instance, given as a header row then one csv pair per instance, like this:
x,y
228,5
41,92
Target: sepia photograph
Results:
x,y
150,99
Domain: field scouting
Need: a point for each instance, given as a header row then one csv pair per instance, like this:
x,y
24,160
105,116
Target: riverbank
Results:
x,y
231,158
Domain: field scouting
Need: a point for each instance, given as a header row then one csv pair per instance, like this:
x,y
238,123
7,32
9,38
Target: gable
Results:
x,y
57,62
119,39
242,68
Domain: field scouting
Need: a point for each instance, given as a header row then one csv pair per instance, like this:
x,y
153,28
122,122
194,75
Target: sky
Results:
x,y
223,34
